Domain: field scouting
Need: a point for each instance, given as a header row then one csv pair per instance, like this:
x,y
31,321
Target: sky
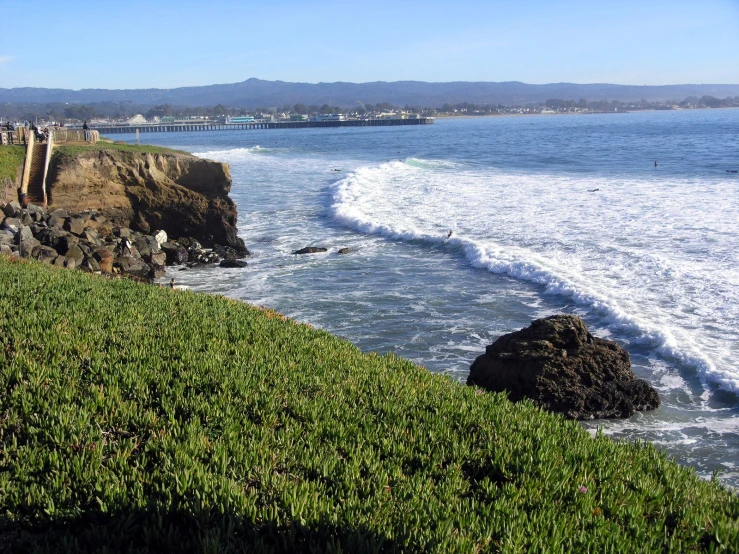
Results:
x,y
168,44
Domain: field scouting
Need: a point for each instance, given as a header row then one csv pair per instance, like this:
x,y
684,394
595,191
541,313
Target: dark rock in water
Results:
x,y
233,263
558,364
310,250
343,251
176,254
228,253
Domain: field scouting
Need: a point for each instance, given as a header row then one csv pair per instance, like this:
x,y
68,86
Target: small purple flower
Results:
x,y
478,391
583,490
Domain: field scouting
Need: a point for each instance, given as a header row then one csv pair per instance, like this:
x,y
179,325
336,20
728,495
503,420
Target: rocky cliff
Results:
x,y
184,195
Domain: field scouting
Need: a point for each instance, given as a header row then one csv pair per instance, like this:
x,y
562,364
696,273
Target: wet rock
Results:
x,y
310,250
558,364
343,251
233,263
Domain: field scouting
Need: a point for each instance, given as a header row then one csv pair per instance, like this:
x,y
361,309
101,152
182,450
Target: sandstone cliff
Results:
x,y
184,195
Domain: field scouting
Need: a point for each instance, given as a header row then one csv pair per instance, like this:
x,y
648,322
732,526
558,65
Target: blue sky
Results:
x,y
167,44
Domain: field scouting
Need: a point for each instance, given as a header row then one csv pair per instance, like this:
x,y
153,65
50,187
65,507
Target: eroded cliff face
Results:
x,y
184,195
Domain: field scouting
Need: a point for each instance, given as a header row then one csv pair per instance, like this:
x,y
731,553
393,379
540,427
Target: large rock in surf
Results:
x,y
310,250
558,364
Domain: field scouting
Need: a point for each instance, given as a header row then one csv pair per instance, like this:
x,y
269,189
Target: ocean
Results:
x,y
549,214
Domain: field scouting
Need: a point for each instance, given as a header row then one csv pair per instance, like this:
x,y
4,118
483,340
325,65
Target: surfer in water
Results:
x,y
450,234
655,163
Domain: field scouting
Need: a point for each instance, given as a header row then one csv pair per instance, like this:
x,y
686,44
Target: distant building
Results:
x,y
138,119
298,117
240,119
328,117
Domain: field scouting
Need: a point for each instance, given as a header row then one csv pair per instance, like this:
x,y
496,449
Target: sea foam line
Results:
x,y
532,267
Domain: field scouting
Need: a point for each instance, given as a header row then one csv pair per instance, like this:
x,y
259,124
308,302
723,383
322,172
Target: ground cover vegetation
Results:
x,y
71,151
11,160
136,418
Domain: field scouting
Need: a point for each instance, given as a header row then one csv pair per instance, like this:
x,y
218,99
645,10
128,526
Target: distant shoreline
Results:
x,y
464,116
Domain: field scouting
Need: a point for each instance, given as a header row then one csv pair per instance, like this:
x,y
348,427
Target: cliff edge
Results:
x,y
182,194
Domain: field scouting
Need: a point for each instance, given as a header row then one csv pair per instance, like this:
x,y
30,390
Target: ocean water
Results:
x,y
549,215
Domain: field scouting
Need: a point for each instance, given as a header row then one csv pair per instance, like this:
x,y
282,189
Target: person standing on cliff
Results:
x,y
86,129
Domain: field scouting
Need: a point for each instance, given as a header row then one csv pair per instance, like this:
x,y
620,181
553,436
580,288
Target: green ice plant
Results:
x,y
135,418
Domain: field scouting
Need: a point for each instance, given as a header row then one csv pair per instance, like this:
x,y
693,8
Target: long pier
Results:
x,y
190,127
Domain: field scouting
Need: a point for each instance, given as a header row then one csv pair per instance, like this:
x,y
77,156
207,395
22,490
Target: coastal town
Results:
x,y
120,115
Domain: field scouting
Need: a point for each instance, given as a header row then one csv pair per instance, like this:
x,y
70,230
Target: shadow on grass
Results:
x,y
152,531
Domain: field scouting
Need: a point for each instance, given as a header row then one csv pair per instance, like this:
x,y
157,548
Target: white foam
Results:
x,y
649,257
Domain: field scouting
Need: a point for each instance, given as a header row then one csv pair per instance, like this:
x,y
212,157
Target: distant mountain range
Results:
x,y
255,93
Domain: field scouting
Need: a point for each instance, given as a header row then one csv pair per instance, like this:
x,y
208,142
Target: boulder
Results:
x,y
124,233
75,225
26,246
559,365
55,221
6,250
310,250
65,242
158,259
7,237
142,246
24,233
153,244
12,209
228,253
133,266
12,224
76,253
343,251
52,237
160,237
233,263
60,213
45,254
176,254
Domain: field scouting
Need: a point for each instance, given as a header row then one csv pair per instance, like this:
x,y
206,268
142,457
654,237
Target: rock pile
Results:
x,y
558,364
90,242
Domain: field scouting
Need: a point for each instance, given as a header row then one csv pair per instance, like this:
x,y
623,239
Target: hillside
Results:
x,y
136,419
254,93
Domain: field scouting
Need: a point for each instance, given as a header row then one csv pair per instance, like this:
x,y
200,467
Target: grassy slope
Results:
x,y
72,150
11,159
135,417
